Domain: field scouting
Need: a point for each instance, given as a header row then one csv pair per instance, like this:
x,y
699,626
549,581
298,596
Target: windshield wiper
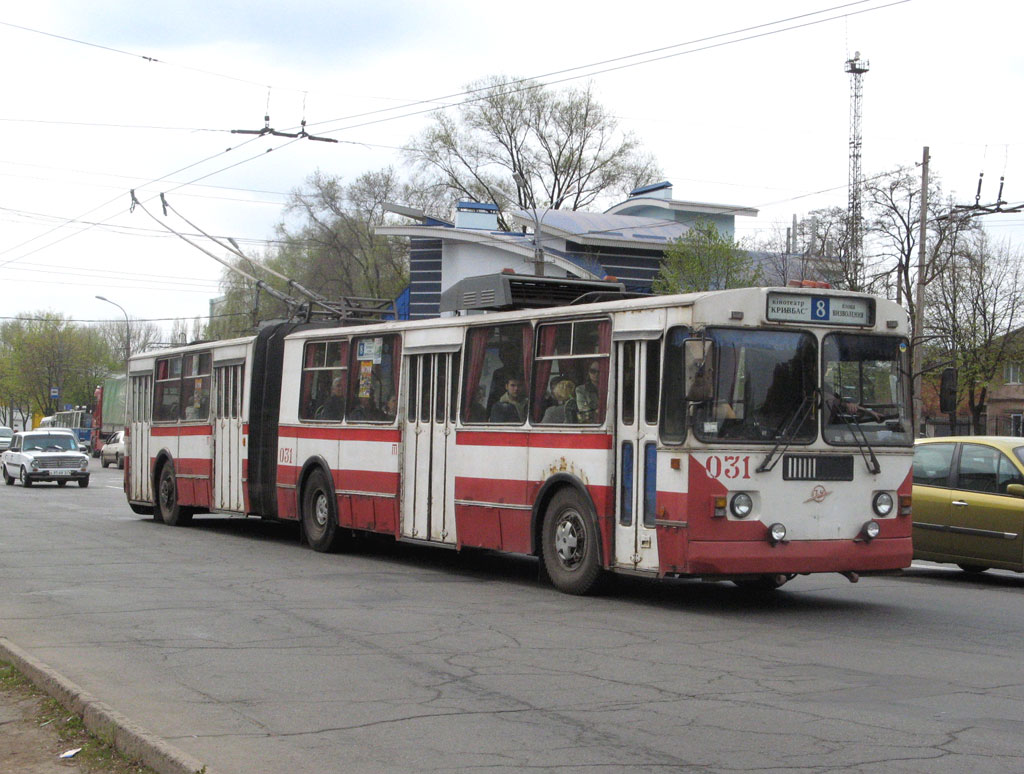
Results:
x,y
862,443
796,421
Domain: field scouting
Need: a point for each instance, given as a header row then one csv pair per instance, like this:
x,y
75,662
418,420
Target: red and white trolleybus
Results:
x,y
747,435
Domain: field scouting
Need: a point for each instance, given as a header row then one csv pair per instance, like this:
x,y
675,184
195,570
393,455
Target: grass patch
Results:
x,y
97,756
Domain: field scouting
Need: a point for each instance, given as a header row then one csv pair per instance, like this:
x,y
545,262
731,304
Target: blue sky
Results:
x,y
760,123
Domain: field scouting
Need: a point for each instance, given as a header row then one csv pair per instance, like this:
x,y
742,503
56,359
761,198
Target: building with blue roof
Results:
x,y
626,241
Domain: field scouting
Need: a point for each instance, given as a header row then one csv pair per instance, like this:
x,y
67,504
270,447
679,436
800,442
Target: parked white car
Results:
x,y
6,434
112,452
50,454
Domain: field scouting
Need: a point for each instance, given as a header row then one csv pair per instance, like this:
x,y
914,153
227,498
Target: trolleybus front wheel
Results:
x,y
319,516
569,544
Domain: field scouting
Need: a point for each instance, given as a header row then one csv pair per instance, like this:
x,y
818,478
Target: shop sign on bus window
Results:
x,y
825,310
370,349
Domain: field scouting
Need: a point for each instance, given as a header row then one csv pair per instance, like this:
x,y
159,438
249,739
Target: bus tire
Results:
x,y
171,511
319,514
569,544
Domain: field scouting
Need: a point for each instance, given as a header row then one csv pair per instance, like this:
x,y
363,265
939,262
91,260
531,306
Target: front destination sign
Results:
x,y
830,310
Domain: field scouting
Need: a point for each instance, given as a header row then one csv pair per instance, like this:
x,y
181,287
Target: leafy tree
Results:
x,y
704,259
47,350
558,147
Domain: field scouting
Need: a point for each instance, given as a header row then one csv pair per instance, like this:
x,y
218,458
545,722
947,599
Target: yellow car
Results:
x,y
969,501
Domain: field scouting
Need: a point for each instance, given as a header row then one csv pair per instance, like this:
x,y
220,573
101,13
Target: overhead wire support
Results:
x,y
302,134
976,210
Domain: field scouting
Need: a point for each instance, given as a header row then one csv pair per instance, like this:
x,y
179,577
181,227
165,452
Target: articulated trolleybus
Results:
x,y
748,435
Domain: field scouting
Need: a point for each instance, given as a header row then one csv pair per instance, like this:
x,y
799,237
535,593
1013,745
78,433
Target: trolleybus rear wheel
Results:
x,y
569,544
171,511
319,514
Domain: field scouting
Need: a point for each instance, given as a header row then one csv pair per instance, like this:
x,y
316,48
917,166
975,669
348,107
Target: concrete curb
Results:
x,y
101,720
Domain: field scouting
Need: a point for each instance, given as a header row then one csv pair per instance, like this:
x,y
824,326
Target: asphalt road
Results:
x,y
254,654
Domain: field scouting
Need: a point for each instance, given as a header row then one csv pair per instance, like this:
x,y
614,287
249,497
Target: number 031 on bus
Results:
x,y
748,435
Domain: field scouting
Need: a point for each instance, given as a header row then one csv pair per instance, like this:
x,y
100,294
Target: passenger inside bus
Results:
x,y
334,405
564,411
588,394
366,411
196,410
511,407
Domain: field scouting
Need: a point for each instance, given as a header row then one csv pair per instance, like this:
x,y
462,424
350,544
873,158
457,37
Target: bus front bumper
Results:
x,y
743,557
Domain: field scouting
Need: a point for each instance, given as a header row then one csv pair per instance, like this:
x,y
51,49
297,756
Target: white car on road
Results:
x,y
49,454
112,452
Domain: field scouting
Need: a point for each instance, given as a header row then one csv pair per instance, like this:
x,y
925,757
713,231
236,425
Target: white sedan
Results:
x,y
49,454
112,452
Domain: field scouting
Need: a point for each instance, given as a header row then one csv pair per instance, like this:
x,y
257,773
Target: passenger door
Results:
x,y
228,450
933,465
637,387
986,522
137,444
428,505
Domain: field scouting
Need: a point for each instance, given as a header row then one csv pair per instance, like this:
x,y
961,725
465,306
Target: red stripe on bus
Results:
x,y
175,431
534,440
341,433
523,493
372,482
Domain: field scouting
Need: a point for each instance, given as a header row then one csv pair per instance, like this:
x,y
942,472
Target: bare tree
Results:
x,y
976,306
144,335
562,149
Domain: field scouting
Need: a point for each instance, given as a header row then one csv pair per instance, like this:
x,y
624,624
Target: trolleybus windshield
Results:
x,y
761,378
865,390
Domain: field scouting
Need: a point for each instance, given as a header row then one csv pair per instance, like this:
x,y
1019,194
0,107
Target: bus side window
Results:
x,y
673,403
497,371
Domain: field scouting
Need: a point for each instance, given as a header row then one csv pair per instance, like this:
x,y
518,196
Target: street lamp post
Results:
x,y
127,354
127,331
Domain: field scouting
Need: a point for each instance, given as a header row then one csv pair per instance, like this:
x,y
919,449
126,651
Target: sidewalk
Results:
x,y
25,748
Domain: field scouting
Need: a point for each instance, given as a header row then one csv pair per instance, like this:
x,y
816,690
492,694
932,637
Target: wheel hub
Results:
x,y
569,539
320,510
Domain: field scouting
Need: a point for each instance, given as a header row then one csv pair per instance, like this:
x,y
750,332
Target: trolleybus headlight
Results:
x,y
882,503
776,533
870,530
741,505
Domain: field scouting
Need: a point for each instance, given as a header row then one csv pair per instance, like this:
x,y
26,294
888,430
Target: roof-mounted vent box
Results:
x,y
479,215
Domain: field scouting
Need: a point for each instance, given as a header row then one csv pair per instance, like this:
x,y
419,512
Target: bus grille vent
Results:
x,y
815,467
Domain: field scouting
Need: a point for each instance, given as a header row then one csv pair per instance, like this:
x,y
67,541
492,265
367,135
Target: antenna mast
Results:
x,y
856,67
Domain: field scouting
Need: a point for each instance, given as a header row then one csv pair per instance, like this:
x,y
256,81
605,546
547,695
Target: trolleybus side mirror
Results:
x,y
947,391
699,371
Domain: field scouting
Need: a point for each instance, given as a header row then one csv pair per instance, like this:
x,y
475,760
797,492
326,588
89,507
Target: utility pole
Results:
x,y
918,340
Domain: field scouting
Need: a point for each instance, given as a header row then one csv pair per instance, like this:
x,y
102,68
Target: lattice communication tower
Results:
x,y
856,67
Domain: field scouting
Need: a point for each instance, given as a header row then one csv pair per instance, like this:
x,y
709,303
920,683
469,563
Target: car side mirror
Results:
x,y
1017,490
699,370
